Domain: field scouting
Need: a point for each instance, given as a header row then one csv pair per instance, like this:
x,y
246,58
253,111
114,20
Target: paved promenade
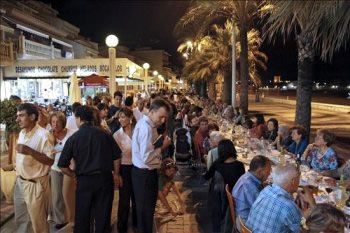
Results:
x,y
195,219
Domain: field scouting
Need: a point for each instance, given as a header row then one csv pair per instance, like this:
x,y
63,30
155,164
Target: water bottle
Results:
x,y
298,158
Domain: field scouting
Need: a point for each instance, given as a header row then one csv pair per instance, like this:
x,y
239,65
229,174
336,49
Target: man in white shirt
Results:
x,y
71,122
140,110
146,159
33,161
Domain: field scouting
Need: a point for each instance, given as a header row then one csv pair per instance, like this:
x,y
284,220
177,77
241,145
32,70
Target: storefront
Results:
x,y
49,79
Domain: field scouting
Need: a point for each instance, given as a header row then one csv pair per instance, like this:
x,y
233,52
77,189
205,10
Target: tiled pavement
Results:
x,y
195,218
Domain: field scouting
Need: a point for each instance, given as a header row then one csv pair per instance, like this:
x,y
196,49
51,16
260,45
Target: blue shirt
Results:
x,y
274,211
298,148
245,192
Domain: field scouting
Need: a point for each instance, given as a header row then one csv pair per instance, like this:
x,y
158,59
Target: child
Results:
x,y
166,183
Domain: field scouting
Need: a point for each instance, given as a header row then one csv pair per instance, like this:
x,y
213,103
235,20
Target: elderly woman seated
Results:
x,y
228,113
283,139
214,138
299,144
319,154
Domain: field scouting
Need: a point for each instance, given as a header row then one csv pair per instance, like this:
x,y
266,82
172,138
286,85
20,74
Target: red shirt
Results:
x,y
198,143
258,131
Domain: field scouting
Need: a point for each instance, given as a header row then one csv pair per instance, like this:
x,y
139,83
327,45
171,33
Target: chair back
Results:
x,y
231,205
244,228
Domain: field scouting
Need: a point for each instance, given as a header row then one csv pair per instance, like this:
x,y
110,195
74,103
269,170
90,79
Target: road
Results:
x,y
327,97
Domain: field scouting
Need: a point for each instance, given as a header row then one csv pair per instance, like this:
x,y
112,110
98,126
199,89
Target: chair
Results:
x,y
231,205
244,228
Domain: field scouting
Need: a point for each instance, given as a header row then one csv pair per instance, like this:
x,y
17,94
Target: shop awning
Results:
x,y
94,80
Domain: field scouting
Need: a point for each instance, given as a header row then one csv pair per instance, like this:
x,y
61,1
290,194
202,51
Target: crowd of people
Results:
x,y
69,166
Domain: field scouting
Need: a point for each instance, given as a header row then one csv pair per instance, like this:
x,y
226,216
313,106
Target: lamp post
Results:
x,y
112,42
132,70
146,67
160,77
155,74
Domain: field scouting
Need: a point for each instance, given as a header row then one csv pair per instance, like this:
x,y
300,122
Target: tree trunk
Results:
x,y
304,90
197,87
244,68
227,88
203,84
211,89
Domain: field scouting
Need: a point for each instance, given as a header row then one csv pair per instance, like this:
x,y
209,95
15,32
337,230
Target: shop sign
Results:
x,y
65,67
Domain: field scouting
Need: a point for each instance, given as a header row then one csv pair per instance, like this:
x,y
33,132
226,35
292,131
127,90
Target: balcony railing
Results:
x,y
6,53
57,53
36,49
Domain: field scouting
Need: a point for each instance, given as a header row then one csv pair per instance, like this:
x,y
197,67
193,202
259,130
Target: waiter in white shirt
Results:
x,y
33,161
146,159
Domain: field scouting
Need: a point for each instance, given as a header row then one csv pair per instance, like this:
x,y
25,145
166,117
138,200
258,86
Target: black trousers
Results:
x,y
126,194
145,184
94,199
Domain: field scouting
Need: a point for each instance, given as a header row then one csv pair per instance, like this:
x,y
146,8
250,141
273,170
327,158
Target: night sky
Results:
x,y
151,23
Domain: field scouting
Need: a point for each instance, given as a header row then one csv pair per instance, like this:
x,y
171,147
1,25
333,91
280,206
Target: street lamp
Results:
x,y
132,70
160,77
146,67
155,74
112,42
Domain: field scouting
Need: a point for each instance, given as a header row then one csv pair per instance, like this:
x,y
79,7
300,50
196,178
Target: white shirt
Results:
x,y
138,114
143,153
59,147
72,124
26,165
124,142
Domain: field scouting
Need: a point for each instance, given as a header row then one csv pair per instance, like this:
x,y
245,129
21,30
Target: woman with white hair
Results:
x,y
283,138
214,138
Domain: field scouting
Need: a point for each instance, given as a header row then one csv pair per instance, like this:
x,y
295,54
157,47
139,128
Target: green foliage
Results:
x,y
8,114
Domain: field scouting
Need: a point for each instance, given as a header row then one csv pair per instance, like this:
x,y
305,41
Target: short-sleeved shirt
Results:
x,y
245,192
93,150
274,211
26,165
323,162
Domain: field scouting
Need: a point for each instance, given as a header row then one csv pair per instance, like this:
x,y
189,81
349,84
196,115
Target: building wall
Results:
x,y
42,18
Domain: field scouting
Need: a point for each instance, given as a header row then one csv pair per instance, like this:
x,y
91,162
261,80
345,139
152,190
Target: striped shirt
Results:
x,y
26,165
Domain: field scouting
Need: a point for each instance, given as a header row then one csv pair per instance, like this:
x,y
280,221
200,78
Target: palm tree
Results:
x,y
319,27
202,14
210,58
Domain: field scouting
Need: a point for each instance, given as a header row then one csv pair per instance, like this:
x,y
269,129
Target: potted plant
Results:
x,y
8,114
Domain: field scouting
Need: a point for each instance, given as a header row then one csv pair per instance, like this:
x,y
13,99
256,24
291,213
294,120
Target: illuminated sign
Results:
x,y
66,67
